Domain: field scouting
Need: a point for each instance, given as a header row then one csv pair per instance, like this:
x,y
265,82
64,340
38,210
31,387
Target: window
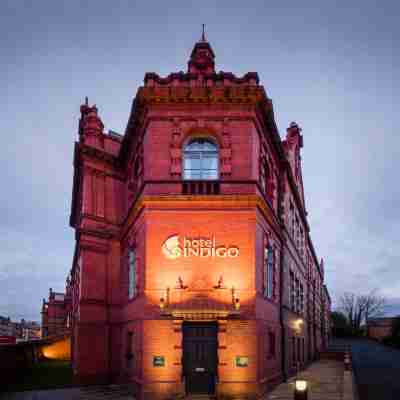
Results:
x,y
291,218
268,271
265,177
301,241
301,299
294,350
200,160
132,274
297,307
298,350
271,345
292,292
129,353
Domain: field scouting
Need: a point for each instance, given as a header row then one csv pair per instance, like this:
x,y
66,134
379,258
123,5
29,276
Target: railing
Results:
x,y
201,187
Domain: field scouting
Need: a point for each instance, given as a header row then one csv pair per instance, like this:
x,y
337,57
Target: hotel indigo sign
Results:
x,y
175,247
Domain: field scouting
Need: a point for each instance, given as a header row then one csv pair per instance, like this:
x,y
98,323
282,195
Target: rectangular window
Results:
x,y
294,350
301,299
132,274
291,217
129,353
292,292
298,351
271,344
297,306
301,241
268,271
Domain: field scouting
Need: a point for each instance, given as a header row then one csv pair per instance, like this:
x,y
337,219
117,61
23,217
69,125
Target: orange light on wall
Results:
x,y
60,350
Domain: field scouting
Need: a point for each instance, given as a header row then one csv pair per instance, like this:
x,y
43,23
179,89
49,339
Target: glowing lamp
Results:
x,y
300,389
237,304
162,303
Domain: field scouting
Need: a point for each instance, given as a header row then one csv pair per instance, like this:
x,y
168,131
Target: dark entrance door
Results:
x,y
200,356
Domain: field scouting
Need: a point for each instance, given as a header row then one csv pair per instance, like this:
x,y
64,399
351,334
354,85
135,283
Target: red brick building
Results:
x,y
56,313
379,328
194,270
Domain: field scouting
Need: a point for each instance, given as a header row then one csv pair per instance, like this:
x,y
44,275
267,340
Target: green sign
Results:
x,y
242,361
158,361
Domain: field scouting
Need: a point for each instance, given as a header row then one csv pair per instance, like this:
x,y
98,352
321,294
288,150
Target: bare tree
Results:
x,y
347,303
360,308
374,306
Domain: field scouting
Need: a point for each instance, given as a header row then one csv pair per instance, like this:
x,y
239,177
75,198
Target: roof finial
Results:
x,y
86,101
203,35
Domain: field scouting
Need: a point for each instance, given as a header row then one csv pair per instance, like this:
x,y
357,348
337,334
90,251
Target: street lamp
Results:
x,y
300,389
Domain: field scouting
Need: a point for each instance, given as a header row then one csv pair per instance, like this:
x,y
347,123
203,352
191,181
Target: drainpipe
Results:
x,y
283,334
281,273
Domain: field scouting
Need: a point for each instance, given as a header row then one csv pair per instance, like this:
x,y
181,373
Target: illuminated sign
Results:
x,y
174,247
242,361
158,361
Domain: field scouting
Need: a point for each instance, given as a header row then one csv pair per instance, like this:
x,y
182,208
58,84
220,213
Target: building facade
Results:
x,y
56,313
379,328
194,270
6,326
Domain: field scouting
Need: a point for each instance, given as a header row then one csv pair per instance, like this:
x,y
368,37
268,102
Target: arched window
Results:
x,y
200,160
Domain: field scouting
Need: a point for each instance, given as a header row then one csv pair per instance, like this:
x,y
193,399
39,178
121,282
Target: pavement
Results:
x,y
324,378
109,392
376,369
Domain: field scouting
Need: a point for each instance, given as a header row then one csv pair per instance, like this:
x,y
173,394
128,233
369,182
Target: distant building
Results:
x,y
31,330
6,327
55,312
379,328
12,331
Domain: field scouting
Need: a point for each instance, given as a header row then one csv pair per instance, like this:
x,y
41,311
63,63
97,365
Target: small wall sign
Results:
x,y
158,361
242,361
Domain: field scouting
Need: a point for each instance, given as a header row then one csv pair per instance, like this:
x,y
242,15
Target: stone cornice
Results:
x,y
97,154
209,202
244,94
182,77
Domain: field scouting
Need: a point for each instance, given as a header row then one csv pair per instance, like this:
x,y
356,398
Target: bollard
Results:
x,y
300,389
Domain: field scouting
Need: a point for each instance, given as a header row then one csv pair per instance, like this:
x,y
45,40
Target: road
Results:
x,y
376,369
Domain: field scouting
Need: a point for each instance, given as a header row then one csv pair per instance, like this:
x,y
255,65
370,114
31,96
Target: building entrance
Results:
x,y
200,356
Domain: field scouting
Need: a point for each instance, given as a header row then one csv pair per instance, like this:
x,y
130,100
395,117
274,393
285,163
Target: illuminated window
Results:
x,y
132,274
200,160
268,271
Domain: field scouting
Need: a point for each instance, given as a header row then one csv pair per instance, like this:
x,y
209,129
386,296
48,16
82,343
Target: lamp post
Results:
x,y
300,389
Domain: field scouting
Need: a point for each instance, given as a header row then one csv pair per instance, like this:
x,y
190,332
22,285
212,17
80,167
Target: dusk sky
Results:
x,y
332,67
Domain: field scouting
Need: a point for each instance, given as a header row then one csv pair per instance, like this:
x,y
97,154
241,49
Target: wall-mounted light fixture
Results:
x,y
300,389
235,300
181,285
162,303
298,323
237,304
220,283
